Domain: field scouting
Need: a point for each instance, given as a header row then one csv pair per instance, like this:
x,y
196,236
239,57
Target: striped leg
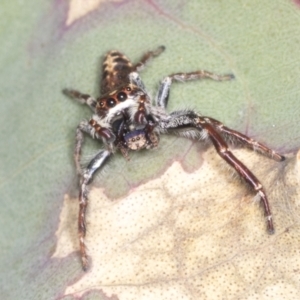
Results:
x,y
210,129
146,57
240,168
245,140
164,89
96,163
82,98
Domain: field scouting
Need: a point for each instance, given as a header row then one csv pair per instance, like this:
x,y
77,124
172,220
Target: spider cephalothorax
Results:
x,y
125,118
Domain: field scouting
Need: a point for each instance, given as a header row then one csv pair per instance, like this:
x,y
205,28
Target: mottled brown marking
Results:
x,y
105,74
115,69
92,122
120,60
115,53
121,67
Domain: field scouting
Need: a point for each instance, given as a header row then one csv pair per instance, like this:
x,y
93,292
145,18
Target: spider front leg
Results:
x,y
95,130
82,98
95,164
164,88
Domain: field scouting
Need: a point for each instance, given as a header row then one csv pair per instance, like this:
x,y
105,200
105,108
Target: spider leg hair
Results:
x,y
245,140
87,176
179,120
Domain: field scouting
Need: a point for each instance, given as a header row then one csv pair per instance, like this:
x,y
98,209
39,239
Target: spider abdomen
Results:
x,y
116,67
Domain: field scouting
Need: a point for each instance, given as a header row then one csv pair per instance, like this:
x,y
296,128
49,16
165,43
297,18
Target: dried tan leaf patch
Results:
x,y
199,235
80,8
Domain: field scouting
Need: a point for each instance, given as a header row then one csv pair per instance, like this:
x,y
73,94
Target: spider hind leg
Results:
x,y
209,129
245,140
223,150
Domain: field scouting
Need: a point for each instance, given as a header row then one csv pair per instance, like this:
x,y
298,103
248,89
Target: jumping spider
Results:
x,y
125,118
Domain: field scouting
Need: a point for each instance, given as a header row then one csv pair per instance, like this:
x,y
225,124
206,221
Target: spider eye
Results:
x,y
128,89
111,102
122,96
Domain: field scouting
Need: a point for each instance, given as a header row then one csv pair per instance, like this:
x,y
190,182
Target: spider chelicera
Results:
x,y
125,118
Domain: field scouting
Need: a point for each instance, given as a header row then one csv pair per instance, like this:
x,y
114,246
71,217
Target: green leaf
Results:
x,y
46,47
